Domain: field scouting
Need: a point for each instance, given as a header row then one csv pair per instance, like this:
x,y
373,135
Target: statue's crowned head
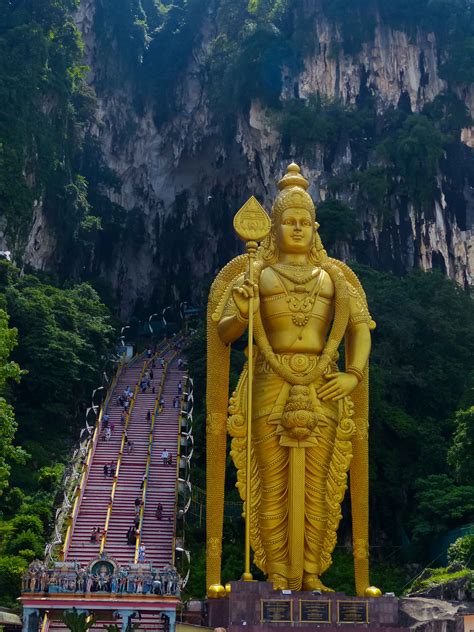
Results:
x,y
292,194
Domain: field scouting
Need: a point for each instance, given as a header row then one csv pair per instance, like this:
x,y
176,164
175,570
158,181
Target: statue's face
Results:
x,y
295,232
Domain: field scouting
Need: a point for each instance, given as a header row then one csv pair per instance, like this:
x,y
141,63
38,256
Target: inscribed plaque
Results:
x,y
276,610
316,611
352,612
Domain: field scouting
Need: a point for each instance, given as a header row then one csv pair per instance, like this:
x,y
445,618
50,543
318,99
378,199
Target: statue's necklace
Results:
x,y
296,274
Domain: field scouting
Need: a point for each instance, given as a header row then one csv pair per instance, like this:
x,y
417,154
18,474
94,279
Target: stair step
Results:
x,y
157,535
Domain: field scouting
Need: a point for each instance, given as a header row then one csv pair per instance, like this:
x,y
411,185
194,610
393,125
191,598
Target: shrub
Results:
x,y
26,522
462,551
12,568
26,540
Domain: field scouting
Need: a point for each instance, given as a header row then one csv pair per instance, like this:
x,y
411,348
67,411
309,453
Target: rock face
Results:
x,y
431,615
393,64
181,182
455,588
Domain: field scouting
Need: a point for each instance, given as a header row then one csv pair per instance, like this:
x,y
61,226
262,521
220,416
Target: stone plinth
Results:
x,y
251,607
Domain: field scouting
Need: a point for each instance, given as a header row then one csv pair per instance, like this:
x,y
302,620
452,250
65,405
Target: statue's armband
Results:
x,y
358,310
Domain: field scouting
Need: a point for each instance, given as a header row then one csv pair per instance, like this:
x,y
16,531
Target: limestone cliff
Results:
x,y
181,179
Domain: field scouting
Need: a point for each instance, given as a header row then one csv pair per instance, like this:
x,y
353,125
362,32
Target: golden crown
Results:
x,y
292,193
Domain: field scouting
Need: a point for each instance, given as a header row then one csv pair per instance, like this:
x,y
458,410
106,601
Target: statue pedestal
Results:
x,y
255,606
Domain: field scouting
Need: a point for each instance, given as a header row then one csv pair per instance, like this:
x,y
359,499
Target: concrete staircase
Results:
x,y
161,487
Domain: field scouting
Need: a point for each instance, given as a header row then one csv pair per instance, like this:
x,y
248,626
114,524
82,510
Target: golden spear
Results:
x,y
251,224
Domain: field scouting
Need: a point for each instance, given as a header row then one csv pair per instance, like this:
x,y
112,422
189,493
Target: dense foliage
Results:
x,y
61,339
40,50
9,371
462,448
421,376
462,551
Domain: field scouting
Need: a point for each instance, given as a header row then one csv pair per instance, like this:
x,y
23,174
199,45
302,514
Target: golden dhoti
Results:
x,y
301,480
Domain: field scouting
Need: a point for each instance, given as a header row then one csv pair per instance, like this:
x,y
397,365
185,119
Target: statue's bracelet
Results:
x,y
240,318
353,370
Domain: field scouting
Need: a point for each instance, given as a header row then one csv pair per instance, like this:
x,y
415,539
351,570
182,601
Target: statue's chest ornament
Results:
x,y
299,306
300,309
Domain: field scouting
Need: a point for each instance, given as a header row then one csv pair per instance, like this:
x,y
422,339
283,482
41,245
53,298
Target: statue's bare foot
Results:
x,y
312,582
279,582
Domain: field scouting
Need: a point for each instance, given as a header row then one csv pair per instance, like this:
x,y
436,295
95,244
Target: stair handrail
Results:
x,y
103,539
145,484
147,464
150,447
79,491
189,385
45,623
181,406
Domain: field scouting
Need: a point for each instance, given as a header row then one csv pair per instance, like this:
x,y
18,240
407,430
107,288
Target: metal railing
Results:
x,y
148,460
187,399
103,539
82,458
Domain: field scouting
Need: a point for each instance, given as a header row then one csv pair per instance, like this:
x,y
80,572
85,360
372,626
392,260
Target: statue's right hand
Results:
x,y
242,294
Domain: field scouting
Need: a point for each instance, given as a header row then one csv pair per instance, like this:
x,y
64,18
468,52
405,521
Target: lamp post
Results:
x,y
122,338
95,407
96,390
163,314
149,323
182,311
122,335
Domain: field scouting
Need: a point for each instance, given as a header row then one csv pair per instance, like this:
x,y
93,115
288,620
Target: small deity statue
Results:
x,y
33,575
81,579
89,582
53,580
309,418
113,583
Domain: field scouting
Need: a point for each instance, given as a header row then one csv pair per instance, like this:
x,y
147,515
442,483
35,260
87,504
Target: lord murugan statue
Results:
x,y
309,417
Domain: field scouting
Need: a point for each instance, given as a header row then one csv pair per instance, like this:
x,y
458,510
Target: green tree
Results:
x,y
50,477
441,505
12,568
40,51
462,551
460,455
338,222
26,540
64,334
414,152
26,522
9,371
420,372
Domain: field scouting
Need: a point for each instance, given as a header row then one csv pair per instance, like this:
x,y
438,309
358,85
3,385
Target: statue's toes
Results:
x,y
312,582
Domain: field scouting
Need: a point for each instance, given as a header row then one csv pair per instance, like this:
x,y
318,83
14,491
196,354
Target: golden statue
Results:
x,y
309,420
